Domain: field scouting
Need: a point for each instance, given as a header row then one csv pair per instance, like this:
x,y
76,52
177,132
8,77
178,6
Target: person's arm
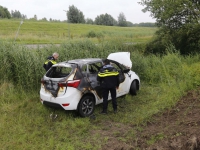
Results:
x,y
117,80
98,78
49,64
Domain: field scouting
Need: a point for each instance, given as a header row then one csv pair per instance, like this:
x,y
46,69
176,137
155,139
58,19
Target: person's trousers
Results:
x,y
105,98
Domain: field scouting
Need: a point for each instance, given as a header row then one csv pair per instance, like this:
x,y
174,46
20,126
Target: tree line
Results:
x,y
74,15
178,22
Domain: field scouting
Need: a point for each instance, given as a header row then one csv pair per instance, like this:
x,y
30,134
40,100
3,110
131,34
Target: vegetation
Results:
x,y
163,81
106,20
177,26
74,15
4,13
122,20
38,32
17,14
142,24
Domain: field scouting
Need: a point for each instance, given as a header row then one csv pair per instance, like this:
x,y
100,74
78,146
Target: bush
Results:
x,y
92,34
185,39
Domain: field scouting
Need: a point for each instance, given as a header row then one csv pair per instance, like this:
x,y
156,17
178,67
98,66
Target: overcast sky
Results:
x,y
91,8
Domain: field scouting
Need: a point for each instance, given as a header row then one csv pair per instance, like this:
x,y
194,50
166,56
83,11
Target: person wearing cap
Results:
x,y
51,60
108,77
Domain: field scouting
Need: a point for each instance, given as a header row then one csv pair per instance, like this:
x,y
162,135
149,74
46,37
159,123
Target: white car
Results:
x,y
73,85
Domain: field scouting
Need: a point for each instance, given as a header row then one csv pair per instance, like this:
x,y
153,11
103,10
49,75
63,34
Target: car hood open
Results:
x,y
122,58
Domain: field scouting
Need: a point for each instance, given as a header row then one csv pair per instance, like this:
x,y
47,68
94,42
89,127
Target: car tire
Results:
x,y
133,88
86,106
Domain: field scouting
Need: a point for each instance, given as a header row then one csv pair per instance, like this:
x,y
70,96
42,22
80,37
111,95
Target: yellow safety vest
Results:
x,y
52,61
107,73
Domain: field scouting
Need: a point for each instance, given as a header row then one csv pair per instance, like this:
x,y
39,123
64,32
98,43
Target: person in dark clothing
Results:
x,y
51,60
109,82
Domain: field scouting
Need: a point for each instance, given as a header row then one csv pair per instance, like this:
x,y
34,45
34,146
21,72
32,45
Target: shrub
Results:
x,y
185,39
92,34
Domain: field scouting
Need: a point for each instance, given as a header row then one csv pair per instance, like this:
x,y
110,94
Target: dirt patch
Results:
x,y
113,135
175,129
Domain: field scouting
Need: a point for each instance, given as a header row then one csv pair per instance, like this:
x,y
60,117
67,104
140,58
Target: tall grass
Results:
x,y
20,66
164,79
23,66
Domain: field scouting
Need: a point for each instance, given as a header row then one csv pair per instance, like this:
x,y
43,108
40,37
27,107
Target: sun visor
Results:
x,y
121,57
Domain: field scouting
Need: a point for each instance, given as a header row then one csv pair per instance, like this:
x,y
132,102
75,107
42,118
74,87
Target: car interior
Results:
x,y
58,72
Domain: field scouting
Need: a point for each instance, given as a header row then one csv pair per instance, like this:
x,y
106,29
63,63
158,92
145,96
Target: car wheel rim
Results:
x,y
87,106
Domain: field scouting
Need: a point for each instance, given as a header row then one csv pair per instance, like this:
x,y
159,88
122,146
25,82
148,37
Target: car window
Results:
x,y
116,66
59,72
94,67
84,68
65,70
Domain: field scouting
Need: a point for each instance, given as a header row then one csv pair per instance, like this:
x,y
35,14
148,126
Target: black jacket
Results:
x,y
49,62
108,77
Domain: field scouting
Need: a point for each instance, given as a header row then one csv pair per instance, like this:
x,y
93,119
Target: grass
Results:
x,y
32,127
32,32
26,124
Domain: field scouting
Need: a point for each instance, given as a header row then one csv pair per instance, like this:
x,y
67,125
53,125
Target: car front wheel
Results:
x,y
86,106
133,88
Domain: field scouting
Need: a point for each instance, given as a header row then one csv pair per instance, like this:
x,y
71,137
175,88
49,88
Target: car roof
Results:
x,y
84,61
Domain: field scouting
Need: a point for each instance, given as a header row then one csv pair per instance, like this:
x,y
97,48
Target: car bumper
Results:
x,y
68,101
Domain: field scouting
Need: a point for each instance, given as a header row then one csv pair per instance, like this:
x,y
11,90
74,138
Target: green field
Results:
x,y
58,32
26,124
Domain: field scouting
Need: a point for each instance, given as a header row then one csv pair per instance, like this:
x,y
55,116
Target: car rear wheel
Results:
x,y
86,106
133,88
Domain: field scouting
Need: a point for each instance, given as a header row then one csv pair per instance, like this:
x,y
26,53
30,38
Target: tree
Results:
x,y
17,14
35,17
122,20
173,13
89,21
74,15
24,16
129,24
178,22
106,20
44,19
4,13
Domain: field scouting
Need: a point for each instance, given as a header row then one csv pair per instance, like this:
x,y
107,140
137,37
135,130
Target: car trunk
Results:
x,y
61,77
122,58
58,78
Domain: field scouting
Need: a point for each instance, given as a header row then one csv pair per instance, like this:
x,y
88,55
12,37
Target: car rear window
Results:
x,y
59,72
